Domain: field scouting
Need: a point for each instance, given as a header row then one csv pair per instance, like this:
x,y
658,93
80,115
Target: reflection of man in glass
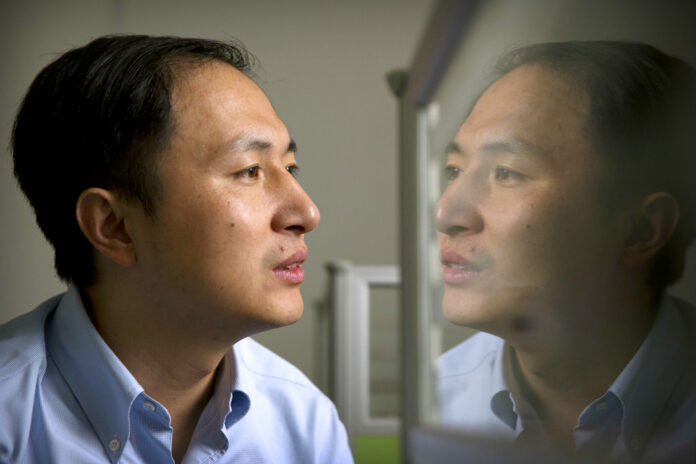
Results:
x,y
569,209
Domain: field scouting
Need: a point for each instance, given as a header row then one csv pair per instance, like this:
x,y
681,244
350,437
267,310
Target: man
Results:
x,y
165,182
569,209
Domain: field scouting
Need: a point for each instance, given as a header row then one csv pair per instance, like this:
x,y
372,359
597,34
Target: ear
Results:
x,y
653,224
100,216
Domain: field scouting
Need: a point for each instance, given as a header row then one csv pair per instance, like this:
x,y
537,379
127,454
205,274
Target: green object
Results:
x,y
377,449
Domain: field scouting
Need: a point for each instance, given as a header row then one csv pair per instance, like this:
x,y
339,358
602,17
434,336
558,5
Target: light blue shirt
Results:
x,y
647,415
66,398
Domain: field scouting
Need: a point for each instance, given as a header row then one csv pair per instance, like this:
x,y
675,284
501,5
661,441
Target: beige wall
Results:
x,y
323,66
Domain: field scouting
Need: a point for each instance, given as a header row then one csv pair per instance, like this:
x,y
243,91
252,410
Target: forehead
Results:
x,y
534,105
214,100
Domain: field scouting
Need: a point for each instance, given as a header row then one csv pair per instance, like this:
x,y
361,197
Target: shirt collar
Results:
x,y
239,403
644,386
102,385
106,389
230,400
228,405
502,404
507,402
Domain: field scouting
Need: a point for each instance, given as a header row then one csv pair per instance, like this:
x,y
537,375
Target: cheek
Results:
x,y
202,223
240,227
242,221
527,224
532,239
561,237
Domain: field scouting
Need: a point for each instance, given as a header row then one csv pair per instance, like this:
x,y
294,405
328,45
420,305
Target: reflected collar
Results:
x,y
644,386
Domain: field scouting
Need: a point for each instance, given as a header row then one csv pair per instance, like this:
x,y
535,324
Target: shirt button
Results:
x,y
148,406
114,445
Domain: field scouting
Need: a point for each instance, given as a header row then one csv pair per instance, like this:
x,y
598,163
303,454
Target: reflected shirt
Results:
x,y
647,415
66,398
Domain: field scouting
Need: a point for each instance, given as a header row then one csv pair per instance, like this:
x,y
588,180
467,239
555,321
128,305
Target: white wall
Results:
x,y
323,66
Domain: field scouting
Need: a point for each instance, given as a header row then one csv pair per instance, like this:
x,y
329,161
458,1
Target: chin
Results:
x,y
290,317
459,316
467,310
286,311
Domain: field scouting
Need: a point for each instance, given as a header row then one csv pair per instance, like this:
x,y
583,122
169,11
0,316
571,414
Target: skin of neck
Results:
x,y
174,363
576,359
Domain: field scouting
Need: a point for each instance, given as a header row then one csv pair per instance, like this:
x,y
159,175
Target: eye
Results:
x,y
452,172
293,169
507,175
251,172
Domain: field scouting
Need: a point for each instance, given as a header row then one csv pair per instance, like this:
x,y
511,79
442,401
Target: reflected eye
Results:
x,y
293,169
250,172
452,172
506,175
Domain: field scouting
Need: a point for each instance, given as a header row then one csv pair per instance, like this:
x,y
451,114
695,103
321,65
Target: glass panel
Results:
x,y
499,26
384,352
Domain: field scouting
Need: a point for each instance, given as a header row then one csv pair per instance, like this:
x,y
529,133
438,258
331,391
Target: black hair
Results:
x,y
641,119
99,116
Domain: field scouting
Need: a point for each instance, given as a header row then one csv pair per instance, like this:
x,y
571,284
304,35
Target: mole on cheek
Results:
x,y
528,226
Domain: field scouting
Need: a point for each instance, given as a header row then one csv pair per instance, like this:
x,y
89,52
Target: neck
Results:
x,y
562,372
173,364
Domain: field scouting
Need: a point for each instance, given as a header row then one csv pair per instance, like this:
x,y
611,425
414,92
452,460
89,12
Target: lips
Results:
x,y
456,269
291,270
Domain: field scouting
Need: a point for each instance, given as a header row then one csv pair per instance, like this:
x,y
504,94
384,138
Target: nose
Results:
x,y
456,213
296,212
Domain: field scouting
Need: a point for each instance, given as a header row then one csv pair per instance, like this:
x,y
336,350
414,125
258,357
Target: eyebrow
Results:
x,y
246,144
514,146
261,145
453,148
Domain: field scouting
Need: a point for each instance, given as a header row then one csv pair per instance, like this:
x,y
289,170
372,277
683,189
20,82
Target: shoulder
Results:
x,y
467,382
261,363
22,341
468,356
281,394
687,312
22,366
276,383
687,319
673,436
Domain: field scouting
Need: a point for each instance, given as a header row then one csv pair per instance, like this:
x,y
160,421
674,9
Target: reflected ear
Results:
x,y
99,215
652,227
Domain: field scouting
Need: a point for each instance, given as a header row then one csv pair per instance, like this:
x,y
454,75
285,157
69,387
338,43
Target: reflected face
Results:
x,y
227,243
525,235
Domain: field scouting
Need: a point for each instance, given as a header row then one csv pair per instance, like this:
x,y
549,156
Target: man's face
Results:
x,y
526,238
227,240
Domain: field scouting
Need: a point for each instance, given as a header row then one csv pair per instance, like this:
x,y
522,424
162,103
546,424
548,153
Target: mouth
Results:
x,y
457,270
290,270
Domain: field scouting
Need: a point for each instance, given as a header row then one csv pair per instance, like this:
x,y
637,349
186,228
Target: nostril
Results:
x,y
296,228
456,230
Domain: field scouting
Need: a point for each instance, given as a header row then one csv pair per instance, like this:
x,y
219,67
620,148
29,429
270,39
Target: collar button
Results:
x,y
114,444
